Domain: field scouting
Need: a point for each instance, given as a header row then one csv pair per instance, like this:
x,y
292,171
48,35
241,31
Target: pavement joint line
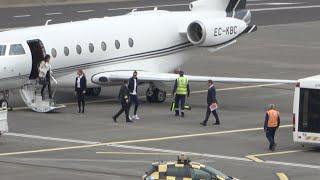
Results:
x,y
22,16
193,92
285,8
85,11
53,13
141,7
282,176
131,141
136,153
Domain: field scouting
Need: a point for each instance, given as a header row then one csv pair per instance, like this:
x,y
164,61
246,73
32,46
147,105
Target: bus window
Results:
x,y
309,111
2,50
16,49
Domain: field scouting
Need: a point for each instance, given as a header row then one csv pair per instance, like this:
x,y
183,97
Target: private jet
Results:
x,y
153,42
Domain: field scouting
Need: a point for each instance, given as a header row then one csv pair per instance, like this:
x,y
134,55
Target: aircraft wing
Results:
x,y
115,76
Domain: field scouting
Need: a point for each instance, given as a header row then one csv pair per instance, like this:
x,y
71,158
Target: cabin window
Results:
x,y
79,49
91,47
16,49
103,46
117,44
130,41
54,52
66,51
3,50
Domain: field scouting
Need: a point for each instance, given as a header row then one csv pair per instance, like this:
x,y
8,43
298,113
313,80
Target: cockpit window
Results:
x,y
3,50
16,49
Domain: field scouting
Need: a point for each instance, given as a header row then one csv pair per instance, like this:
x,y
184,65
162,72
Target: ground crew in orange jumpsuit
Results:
x,y
271,124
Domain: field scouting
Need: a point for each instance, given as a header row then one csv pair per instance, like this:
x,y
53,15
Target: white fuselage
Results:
x,y
159,45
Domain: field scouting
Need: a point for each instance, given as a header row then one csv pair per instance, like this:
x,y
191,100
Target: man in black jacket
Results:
x,y
124,100
80,89
211,101
133,88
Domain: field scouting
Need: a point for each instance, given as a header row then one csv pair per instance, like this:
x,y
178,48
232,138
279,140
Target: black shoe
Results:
x,y
182,114
176,114
114,119
217,123
79,111
273,148
129,121
82,112
203,124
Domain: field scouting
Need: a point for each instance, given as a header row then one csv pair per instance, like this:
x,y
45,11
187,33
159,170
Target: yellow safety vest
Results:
x,y
182,83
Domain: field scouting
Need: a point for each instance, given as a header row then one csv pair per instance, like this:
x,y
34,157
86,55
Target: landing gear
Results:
x,y
155,95
4,99
93,91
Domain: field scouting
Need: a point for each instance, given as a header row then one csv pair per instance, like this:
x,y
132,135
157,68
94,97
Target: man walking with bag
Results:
x,y
212,105
124,100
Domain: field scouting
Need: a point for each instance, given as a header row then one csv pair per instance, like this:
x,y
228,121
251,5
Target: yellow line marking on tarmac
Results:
x,y
193,92
137,153
134,141
282,176
255,158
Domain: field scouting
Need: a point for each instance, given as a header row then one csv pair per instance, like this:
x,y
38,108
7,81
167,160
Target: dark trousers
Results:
x,y
124,108
215,114
180,101
49,89
80,98
135,101
270,133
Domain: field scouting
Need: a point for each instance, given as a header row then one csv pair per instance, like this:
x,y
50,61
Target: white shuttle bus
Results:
x,y
306,111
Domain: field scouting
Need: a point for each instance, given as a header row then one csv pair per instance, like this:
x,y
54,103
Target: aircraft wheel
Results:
x,y
4,104
96,91
150,95
160,96
93,91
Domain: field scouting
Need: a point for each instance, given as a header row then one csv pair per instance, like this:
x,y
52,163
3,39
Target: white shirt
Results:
x,y
134,92
78,81
44,67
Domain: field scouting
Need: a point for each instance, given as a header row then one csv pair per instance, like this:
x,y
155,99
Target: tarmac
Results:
x,y
68,145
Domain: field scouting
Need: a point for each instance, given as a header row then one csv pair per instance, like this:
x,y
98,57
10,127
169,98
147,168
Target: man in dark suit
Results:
x,y
211,101
80,89
133,88
124,100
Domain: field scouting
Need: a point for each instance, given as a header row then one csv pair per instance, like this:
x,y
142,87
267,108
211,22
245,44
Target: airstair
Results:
x,y
31,95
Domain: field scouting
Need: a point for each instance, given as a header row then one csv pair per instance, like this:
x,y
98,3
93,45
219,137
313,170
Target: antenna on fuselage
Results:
x,y
47,22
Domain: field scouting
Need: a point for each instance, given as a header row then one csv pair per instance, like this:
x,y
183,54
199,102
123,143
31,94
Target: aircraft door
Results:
x,y
38,53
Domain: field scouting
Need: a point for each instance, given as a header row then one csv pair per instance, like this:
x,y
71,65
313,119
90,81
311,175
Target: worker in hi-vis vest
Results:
x,y
271,124
181,90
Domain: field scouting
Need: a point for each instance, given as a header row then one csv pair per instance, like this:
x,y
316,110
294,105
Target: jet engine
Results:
x,y
206,33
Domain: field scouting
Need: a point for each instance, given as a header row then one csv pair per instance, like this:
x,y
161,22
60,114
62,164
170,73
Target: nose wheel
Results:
x,y
93,91
155,95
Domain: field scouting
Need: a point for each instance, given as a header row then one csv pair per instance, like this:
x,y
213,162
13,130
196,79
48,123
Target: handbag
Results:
x,y
43,81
